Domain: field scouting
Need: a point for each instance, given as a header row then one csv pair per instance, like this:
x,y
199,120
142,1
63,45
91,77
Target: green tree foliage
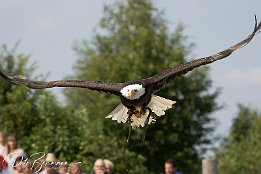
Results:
x,y
133,42
35,116
17,103
242,123
240,151
43,125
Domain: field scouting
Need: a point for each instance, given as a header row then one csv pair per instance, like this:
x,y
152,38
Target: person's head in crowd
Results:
x,y
11,144
75,168
170,167
27,169
17,166
99,166
62,169
50,166
109,166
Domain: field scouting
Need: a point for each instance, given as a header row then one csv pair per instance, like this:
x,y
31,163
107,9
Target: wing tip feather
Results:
x,y
257,26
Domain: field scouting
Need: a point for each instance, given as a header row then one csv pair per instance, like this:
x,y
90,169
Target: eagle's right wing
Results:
x,y
156,82
113,88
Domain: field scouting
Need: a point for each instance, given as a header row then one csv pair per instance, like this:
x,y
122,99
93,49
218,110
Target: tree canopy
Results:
x,y
240,152
133,42
34,116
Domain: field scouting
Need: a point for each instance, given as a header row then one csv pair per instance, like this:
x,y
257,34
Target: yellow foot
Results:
x,y
139,112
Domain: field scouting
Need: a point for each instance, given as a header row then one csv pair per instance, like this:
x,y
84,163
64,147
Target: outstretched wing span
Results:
x,y
156,82
113,88
153,83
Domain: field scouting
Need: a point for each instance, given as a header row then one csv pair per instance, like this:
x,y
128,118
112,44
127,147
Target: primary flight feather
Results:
x,y
137,97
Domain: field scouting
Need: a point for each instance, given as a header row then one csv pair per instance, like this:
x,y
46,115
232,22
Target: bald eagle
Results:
x,y
137,97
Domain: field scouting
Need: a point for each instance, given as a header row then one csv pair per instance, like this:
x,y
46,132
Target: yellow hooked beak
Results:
x,y
132,93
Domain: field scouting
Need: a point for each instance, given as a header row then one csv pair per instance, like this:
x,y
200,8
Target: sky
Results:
x,y
48,29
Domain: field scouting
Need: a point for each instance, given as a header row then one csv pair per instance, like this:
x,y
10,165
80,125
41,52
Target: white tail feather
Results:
x,y
158,105
136,122
119,114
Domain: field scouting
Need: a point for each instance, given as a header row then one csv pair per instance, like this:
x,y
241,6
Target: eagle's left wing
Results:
x,y
113,88
156,82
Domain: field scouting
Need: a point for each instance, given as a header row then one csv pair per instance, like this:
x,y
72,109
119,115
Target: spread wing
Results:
x,y
113,88
156,82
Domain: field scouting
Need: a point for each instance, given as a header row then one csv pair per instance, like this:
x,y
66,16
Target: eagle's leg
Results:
x,y
145,126
128,139
130,113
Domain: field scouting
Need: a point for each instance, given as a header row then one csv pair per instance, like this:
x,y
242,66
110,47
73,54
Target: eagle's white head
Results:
x,y
133,92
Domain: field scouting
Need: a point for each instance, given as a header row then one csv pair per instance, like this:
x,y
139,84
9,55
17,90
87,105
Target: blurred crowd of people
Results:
x,y
13,160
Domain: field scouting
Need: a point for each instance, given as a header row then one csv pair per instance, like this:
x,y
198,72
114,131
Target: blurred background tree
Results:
x,y
17,103
34,116
43,125
240,152
133,42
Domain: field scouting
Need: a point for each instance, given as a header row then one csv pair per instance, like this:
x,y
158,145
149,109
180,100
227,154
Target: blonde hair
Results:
x,y
74,166
110,163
